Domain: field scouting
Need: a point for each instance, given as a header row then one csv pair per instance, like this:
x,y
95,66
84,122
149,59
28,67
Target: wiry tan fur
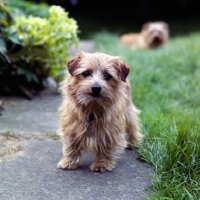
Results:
x,y
115,117
153,34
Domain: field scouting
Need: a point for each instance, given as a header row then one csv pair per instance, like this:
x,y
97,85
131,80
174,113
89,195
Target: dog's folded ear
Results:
x,y
165,25
124,71
145,26
73,62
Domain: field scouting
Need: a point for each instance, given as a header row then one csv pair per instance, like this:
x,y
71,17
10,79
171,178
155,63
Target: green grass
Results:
x,y
166,88
53,135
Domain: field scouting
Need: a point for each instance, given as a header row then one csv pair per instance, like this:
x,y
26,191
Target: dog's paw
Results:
x,y
66,163
101,166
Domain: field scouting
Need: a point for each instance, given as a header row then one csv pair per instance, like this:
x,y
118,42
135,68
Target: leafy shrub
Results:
x,y
29,8
55,34
8,42
33,49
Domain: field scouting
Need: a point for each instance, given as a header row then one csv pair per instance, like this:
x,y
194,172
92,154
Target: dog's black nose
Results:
x,y
96,89
156,37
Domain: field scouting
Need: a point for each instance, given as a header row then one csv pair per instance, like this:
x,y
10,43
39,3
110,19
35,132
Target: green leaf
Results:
x,y
2,45
30,76
26,72
35,78
13,38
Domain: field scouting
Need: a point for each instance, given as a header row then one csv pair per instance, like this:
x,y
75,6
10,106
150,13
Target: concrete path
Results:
x,y
30,150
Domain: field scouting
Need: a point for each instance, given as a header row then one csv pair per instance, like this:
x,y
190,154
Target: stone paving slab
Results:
x,y
38,115
33,175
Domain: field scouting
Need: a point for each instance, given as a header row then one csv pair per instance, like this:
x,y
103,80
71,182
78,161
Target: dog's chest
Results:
x,y
92,121
89,132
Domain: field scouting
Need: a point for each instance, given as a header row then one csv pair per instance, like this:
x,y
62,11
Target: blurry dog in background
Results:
x,y
96,112
153,35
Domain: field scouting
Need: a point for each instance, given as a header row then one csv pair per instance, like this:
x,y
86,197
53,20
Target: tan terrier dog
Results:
x,y
96,113
153,35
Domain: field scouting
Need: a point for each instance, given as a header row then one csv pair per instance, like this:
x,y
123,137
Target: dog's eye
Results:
x,y
86,73
107,77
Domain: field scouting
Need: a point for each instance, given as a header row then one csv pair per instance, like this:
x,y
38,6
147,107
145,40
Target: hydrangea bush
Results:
x,y
34,48
55,34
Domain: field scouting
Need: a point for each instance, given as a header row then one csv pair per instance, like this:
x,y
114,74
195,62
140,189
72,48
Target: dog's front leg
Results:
x,y
70,159
102,163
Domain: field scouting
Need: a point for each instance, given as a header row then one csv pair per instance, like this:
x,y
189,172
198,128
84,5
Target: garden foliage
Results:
x,y
29,8
34,48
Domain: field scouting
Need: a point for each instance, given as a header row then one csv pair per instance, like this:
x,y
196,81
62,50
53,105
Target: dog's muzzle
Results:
x,y
157,40
96,89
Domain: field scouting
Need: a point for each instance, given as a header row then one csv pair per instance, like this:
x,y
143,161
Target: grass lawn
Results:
x,y
166,88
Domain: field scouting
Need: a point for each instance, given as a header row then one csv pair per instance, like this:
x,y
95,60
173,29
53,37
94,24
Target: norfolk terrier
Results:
x,y
153,35
96,112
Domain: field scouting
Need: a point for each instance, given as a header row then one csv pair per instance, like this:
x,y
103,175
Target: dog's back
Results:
x,y
133,40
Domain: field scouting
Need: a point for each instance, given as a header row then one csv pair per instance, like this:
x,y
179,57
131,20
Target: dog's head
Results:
x,y
155,33
95,78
